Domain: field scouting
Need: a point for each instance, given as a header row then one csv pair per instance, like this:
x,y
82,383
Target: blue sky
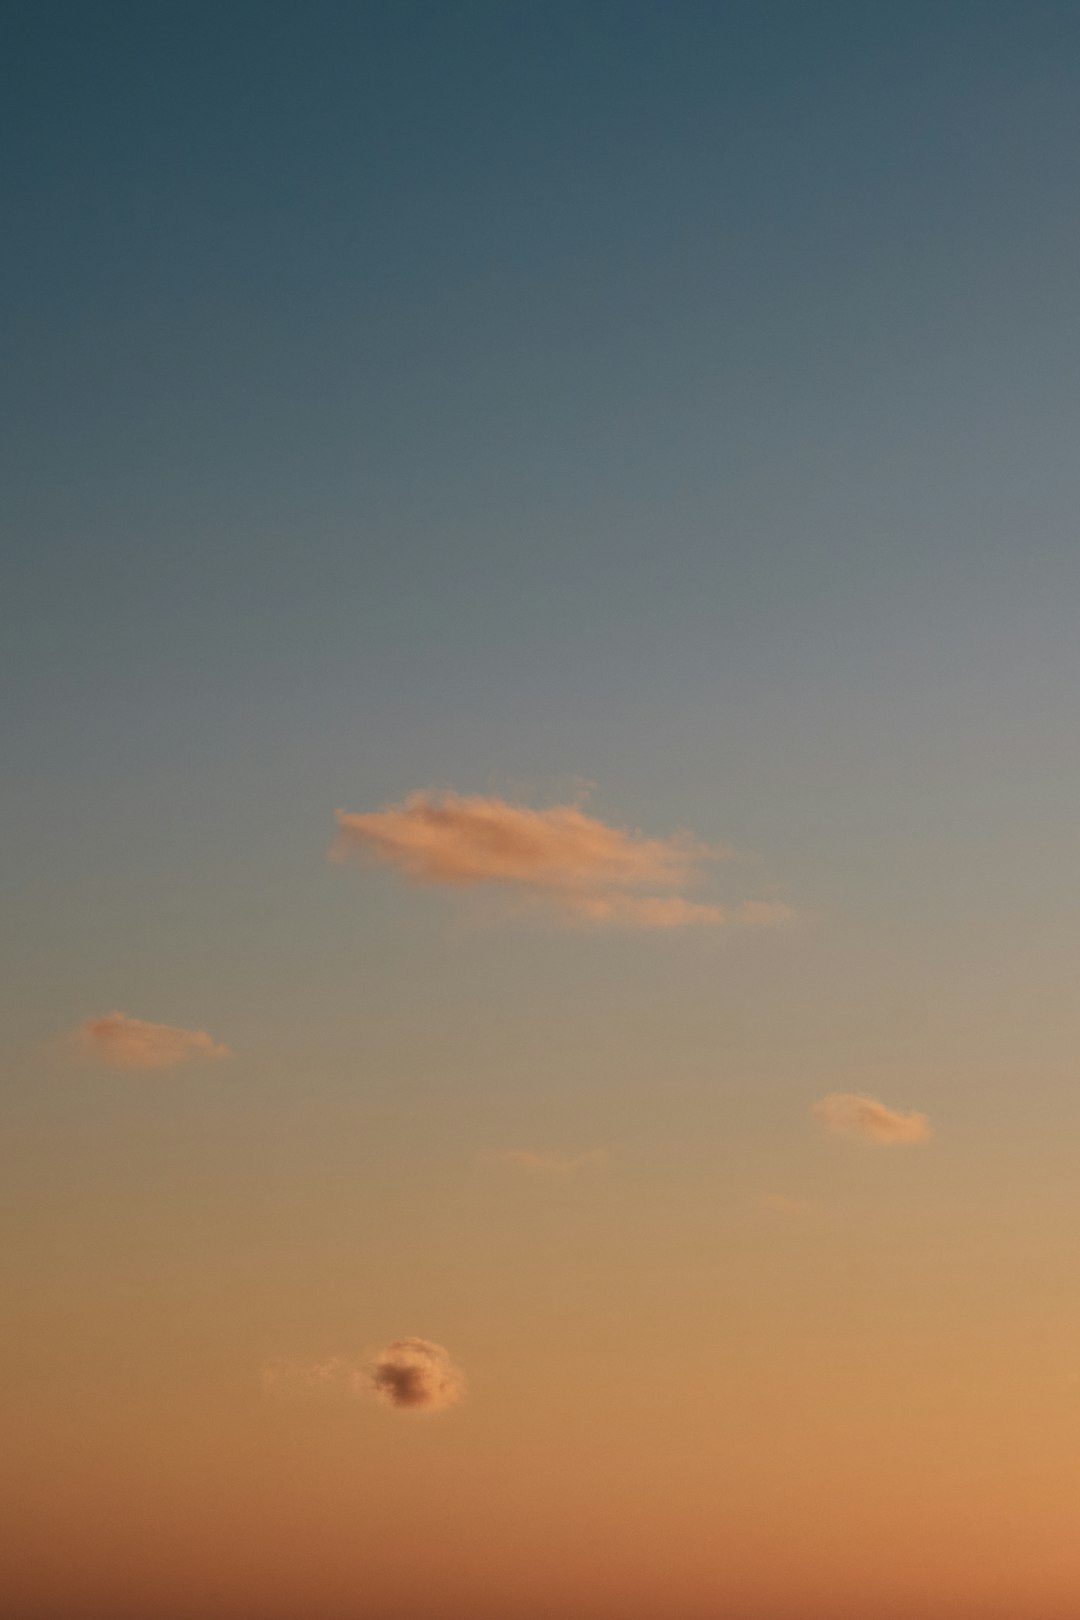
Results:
x,y
493,394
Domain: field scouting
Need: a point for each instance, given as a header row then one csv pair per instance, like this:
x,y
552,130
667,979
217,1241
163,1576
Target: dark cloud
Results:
x,y
416,1375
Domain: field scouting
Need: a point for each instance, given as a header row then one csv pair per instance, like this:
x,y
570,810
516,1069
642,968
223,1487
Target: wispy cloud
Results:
x,y
332,1377
551,1164
411,1374
132,1043
588,871
845,1113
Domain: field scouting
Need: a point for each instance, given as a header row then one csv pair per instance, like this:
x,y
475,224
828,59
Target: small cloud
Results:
x,y
132,1043
412,1374
584,869
844,1113
551,1164
416,1375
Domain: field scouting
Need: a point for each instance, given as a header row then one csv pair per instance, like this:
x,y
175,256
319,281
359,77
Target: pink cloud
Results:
x,y
588,871
845,1113
132,1043
461,838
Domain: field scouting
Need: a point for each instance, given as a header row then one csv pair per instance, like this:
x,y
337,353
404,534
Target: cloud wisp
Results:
x,y
845,1113
551,1164
413,1375
132,1043
332,1378
582,868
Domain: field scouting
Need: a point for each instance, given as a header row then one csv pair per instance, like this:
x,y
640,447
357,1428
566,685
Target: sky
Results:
x,y
538,663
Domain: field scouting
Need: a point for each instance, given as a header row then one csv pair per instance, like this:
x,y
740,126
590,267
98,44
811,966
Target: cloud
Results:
x,y
588,871
132,1043
844,1113
555,1164
411,1374
416,1375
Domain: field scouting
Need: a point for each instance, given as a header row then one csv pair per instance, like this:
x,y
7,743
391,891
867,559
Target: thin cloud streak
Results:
x,y
584,869
551,1164
846,1113
133,1043
673,911
330,1379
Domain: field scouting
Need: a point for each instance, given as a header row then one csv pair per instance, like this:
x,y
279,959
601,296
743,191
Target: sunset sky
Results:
x,y
540,662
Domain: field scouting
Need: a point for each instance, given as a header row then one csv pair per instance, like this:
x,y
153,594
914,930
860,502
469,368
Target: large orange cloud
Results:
x,y
132,1043
588,870
845,1113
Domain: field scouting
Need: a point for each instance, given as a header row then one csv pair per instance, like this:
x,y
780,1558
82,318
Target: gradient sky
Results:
x,y
665,409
